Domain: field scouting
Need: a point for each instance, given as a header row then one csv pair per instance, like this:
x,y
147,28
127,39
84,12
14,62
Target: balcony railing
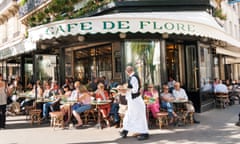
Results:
x,y
29,6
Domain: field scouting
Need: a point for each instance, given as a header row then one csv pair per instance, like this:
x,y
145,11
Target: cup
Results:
x,y
98,99
70,126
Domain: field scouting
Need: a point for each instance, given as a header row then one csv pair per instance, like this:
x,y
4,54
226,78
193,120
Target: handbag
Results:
x,y
9,98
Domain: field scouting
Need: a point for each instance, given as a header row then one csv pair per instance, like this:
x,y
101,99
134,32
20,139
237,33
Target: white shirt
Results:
x,y
134,83
74,95
171,83
3,96
207,88
179,94
221,88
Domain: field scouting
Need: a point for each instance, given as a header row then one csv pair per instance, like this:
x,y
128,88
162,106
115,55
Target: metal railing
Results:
x,y
29,6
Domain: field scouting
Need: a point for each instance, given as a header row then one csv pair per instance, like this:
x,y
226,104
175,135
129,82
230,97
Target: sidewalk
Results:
x,y
217,127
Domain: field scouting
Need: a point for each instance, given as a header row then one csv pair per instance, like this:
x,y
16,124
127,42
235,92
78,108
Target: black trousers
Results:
x,y
2,116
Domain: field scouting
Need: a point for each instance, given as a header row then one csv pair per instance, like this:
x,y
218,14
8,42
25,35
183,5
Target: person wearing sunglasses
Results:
x,y
166,99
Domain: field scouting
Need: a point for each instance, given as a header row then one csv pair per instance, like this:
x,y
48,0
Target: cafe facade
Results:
x,y
179,45
185,45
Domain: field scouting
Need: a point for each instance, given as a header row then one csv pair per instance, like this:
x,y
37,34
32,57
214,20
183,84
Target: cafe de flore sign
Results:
x,y
124,23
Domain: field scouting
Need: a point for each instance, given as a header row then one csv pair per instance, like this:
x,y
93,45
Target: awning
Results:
x,y
17,47
227,52
186,23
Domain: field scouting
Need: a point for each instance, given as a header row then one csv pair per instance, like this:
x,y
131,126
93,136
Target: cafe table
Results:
x,y
25,95
181,109
179,105
222,99
98,103
69,103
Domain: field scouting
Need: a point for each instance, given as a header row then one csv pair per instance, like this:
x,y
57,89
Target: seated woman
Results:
x,y
54,104
152,94
84,103
103,95
122,89
29,101
166,99
66,108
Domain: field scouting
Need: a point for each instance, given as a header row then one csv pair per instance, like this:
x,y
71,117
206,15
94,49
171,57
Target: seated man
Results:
x,y
220,88
180,94
114,107
166,99
52,105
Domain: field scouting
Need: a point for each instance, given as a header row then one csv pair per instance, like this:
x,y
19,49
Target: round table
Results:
x,y
97,104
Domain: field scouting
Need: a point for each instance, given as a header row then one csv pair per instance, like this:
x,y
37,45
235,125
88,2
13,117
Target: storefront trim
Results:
x,y
227,52
22,46
186,23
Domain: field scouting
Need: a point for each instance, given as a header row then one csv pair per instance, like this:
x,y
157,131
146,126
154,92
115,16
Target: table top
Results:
x,y
222,96
179,101
25,95
39,100
102,102
149,101
68,101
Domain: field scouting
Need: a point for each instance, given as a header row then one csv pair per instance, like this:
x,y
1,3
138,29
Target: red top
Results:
x,y
102,96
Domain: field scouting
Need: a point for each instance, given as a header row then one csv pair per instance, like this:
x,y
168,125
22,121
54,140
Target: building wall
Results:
x,y
12,33
231,24
11,28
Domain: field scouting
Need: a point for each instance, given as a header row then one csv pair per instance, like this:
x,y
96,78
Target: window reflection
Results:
x,y
145,57
205,69
46,67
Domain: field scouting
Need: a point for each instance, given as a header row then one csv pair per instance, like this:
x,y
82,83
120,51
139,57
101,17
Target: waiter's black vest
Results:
x,y
134,95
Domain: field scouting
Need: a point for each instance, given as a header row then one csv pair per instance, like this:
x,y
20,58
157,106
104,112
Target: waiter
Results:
x,y
135,118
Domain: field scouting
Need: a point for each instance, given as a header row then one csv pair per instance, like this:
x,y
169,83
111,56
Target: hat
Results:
x,y
113,91
65,86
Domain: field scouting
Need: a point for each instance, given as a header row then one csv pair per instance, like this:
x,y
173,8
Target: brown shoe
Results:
x,y
136,134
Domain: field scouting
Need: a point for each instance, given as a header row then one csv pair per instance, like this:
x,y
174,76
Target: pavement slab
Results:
x,y
217,127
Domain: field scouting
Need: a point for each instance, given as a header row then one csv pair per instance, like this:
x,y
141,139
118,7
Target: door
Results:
x,y
93,62
191,60
174,61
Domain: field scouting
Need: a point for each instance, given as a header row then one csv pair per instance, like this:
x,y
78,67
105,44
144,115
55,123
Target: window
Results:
x,y
46,67
206,68
144,55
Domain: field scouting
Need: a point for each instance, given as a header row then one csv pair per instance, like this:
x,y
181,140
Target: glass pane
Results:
x,y
68,64
28,66
13,68
216,67
172,63
205,68
104,61
145,57
46,67
93,62
191,67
